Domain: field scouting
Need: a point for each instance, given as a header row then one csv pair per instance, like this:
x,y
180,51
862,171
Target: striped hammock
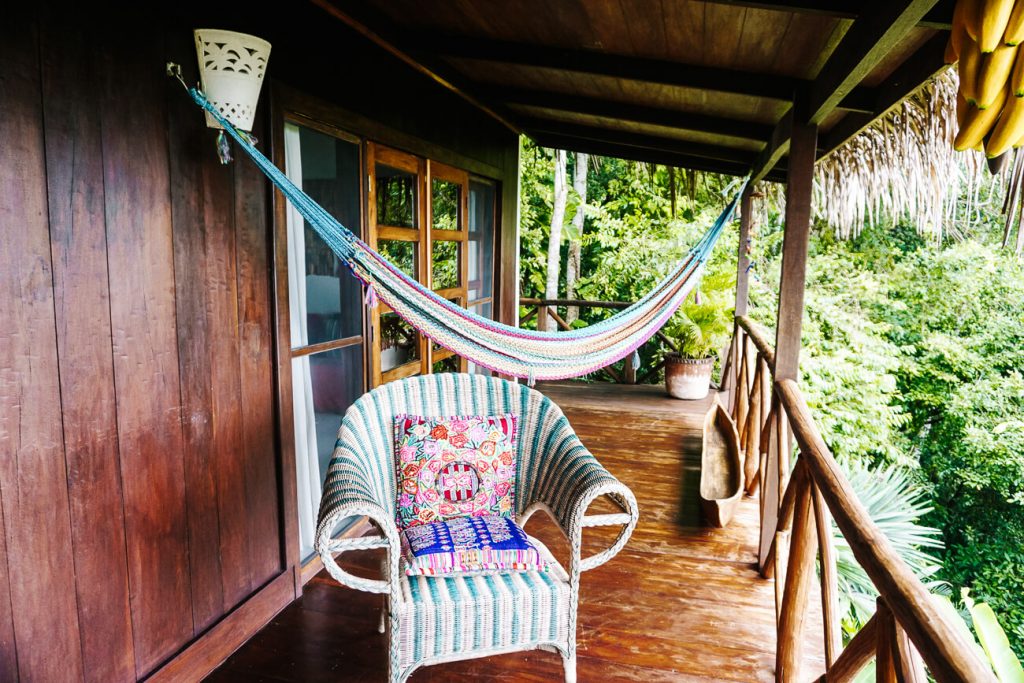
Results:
x,y
511,351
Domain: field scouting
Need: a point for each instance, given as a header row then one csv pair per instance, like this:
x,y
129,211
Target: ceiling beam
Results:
x,y
639,140
776,148
373,26
641,69
621,111
922,65
619,66
939,17
639,154
884,24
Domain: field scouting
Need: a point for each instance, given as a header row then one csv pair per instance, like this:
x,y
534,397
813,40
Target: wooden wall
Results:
x,y
138,468
141,477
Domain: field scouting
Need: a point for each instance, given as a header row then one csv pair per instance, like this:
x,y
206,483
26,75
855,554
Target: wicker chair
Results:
x,y
433,620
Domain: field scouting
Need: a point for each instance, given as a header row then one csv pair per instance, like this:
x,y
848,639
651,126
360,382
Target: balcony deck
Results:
x,y
680,603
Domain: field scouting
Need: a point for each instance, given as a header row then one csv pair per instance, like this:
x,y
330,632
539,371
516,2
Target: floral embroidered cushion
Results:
x,y
469,545
454,467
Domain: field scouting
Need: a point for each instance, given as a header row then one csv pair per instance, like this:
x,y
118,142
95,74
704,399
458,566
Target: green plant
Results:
x,y
896,504
703,324
992,645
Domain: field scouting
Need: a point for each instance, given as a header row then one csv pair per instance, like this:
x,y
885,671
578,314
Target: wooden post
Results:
x,y
829,579
799,570
885,665
799,181
742,259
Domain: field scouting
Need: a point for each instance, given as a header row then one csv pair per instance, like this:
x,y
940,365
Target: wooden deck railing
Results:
x,y
548,307
797,509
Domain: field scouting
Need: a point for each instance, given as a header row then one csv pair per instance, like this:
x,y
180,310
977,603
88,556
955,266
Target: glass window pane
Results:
x,y
481,240
325,384
328,170
399,342
445,202
401,254
396,197
445,264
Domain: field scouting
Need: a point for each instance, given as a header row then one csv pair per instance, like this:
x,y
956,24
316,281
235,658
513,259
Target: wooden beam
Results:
x,y
641,140
776,148
939,17
883,25
622,111
799,571
640,154
917,69
743,256
799,184
617,66
374,27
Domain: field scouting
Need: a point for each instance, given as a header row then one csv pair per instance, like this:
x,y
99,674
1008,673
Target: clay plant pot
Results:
x,y
688,378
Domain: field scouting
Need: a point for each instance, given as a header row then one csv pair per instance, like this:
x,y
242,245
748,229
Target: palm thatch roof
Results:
x,y
903,167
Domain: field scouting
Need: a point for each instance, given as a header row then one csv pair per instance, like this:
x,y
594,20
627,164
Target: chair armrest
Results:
x,y
574,480
352,489
330,548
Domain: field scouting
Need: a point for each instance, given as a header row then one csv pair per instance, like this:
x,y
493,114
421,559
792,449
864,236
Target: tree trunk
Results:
x,y
555,238
572,267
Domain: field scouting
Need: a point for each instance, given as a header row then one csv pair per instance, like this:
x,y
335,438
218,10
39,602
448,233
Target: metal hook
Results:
x,y
174,71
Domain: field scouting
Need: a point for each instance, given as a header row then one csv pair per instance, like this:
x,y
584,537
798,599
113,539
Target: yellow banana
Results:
x,y
1017,77
1014,33
970,63
961,110
978,122
972,16
992,23
1009,128
994,73
956,35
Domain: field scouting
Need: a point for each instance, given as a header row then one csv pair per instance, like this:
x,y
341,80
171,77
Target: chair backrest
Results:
x,y
366,437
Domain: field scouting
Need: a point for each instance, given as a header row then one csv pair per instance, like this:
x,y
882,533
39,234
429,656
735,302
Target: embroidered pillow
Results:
x,y
454,467
469,545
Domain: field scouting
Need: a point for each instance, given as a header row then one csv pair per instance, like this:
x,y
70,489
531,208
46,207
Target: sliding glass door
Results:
x,y
326,309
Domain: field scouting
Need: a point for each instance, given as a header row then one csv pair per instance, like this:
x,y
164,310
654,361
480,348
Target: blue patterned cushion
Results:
x,y
469,545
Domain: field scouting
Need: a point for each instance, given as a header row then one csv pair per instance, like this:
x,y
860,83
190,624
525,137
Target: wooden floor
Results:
x,y
680,603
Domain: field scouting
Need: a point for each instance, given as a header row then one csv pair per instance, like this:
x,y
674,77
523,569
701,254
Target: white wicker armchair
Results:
x,y
431,619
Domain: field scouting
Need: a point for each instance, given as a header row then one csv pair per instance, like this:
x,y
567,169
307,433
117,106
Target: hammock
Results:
x,y
532,355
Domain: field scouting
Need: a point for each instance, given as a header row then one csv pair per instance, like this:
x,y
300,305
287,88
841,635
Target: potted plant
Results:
x,y
699,329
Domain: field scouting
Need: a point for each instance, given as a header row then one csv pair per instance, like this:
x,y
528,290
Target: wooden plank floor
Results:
x,y
680,603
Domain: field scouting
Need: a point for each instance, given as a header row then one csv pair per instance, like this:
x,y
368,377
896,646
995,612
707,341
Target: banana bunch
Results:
x,y
990,108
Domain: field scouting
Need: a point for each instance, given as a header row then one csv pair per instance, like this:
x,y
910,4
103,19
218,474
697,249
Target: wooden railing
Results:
x,y
797,509
548,308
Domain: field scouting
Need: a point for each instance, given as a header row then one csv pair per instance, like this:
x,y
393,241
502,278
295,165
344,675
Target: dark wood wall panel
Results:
x,y
33,480
255,325
142,312
74,181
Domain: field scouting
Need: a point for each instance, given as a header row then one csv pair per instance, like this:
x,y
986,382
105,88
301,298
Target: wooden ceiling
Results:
x,y
707,84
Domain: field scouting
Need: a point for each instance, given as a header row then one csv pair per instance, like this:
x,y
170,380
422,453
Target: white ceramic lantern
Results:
x,y
231,68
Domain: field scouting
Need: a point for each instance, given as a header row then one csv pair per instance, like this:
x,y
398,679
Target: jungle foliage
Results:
x,y
913,351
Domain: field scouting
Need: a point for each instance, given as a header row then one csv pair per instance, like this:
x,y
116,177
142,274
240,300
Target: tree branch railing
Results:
x,y
548,308
798,506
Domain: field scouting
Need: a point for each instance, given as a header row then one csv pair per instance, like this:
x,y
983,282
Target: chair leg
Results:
x,y
569,663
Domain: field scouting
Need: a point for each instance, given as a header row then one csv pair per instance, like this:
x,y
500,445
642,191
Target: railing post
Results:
x,y
885,664
799,570
799,184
